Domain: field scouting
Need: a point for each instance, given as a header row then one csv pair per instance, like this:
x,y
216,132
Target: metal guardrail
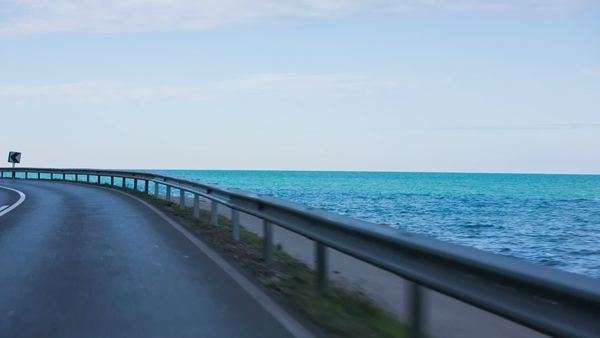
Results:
x,y
553,302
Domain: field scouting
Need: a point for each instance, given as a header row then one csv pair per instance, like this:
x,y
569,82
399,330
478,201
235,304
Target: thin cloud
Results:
x,y
252,84
19,17
541,126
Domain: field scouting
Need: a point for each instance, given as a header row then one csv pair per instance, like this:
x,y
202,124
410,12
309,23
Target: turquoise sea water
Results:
x,y
553,220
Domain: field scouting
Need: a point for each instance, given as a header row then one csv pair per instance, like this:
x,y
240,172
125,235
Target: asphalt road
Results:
x,y
80,261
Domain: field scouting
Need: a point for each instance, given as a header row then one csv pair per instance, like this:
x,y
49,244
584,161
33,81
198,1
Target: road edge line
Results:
x,y
282,316
14,205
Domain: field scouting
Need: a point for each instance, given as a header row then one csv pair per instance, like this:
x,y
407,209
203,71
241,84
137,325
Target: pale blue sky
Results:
x,y
415,85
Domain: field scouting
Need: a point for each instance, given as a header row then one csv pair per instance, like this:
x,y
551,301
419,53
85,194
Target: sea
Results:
x,y
551,220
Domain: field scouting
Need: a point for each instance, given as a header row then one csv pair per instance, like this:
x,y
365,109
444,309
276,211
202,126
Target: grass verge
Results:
x,y
340,313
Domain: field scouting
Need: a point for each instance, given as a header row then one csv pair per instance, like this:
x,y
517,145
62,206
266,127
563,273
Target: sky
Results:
x,y
405,85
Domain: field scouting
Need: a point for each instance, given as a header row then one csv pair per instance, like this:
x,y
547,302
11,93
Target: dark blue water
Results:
x,y
552,220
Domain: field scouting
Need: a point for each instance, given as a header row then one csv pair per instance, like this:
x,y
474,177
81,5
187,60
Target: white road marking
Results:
x,y
285,319
8,208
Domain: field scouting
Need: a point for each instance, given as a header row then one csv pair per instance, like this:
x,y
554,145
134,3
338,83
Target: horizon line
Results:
x,y
335,170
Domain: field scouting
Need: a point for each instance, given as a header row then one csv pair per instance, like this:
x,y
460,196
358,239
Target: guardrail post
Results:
x,y
112,181
267,242
87,178
196,206
416,310
146,187
136,184
235,225
156,190
214,213
181,198
168,197
321,267
99,180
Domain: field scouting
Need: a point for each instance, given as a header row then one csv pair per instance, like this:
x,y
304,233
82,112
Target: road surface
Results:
x,y
81,261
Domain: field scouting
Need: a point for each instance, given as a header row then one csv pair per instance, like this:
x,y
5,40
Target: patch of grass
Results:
x,y
340,313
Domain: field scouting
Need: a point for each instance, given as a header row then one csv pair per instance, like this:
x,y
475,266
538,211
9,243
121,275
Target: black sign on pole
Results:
x,y
14,157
